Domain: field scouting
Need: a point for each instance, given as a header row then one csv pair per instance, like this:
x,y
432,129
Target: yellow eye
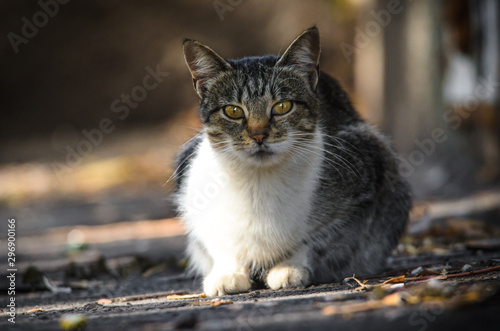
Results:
x,y
233,112
282,107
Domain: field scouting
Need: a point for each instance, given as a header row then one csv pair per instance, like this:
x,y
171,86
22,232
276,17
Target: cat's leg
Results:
x,y
222,276
227,276
200,262
292,272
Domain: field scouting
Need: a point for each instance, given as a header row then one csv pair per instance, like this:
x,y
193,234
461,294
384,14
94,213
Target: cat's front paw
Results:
x,y
284,276
221,284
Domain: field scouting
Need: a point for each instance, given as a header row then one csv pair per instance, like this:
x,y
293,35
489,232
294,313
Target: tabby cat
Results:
x,y
285,184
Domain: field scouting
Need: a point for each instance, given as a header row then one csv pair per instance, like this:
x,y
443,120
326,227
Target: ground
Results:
x,y
443,276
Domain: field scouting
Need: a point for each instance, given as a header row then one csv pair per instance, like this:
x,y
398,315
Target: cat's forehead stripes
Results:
x,y
256,85
258,108
250,86
253,80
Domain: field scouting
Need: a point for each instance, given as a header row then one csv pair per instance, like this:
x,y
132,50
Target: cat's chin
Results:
x,y
262,155
263,158
267,155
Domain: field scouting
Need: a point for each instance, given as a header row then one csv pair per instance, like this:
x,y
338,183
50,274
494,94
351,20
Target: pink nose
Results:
x,y
259,136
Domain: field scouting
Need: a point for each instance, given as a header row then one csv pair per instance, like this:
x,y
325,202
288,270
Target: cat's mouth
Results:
x,y
267,154
261,152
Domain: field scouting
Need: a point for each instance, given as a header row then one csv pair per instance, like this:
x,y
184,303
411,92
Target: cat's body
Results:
x,y
302,193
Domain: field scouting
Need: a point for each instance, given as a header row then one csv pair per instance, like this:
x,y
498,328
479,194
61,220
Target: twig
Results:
x,y
463,274
147,296
361,285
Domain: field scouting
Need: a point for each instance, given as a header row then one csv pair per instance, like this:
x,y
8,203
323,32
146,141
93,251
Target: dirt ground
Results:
x,y
120,276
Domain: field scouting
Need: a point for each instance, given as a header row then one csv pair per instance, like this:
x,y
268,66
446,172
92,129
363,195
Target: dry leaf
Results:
x,y
218,302
104,302
388,301
392,300
186,296
34,310
398,279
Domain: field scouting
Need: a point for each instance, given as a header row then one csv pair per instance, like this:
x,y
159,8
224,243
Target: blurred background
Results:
x,y
96,98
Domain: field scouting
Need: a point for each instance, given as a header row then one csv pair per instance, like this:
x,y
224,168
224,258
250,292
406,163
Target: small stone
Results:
x,y
254,294
467,268
416,271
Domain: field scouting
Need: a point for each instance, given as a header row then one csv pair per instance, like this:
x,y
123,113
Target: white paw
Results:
x,y
287,276
221,284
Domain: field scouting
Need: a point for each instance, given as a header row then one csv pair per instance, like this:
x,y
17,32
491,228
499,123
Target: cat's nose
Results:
x,y
259,137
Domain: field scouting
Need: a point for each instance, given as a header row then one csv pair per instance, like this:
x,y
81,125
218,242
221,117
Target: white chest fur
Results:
x,y
251,215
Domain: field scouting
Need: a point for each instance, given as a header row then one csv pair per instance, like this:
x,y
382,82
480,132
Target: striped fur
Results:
x,y
319,200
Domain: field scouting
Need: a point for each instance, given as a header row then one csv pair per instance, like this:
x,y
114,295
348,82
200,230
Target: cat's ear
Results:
x,y
303,55
203,63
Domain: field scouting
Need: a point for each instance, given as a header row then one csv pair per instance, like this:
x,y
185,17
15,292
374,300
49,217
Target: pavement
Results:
x,y
130,275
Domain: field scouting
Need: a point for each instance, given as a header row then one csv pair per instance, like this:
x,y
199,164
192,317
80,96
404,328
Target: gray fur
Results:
x,y
361,204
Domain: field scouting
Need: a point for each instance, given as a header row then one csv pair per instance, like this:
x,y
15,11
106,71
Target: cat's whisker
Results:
x,y
338,139
309,202
343,149
345,164
192,138
175,174
348,164
306,149
302,157
339,157
197,130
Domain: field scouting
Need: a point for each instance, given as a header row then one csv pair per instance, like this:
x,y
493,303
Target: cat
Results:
x,y
285,184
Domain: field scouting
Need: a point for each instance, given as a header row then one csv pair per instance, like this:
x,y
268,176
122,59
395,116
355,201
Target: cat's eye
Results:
x,y
234,112
282,107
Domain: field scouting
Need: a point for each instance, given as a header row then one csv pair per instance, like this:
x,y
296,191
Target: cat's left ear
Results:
x,y
303,55
203,63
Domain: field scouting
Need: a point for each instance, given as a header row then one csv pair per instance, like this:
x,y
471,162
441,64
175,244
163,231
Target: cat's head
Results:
x,y
258,110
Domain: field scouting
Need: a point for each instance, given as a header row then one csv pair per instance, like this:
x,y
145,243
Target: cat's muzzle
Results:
x,y
261,151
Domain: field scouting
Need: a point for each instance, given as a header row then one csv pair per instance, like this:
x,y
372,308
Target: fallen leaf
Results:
x,y
398,279
185,296
391,300
218,302
104,302
34,310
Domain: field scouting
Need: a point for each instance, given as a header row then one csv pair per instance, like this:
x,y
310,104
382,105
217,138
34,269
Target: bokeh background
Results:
x,y
89,134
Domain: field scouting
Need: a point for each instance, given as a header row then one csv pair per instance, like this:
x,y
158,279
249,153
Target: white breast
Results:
x,y
256,215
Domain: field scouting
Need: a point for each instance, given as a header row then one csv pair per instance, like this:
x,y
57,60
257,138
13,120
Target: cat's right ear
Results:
x,y
203,63
303,55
